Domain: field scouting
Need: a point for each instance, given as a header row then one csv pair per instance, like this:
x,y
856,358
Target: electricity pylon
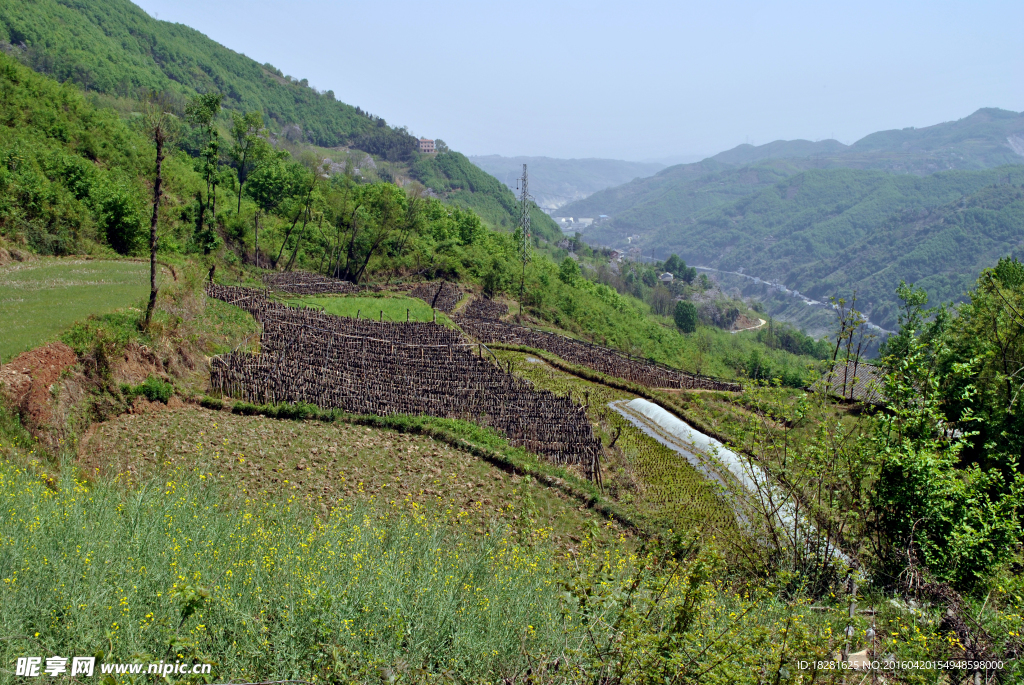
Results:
x,y
524,226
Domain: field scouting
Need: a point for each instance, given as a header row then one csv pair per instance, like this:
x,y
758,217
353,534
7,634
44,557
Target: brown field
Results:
x,y
329,463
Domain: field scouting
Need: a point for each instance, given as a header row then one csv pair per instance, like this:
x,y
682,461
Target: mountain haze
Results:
x,y
556,182
985,139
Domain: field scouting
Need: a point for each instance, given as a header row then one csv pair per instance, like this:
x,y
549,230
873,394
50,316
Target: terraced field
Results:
x,y
326,464
41,298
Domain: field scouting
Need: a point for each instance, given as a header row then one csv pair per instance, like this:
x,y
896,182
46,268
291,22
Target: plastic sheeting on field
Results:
x,y
712,459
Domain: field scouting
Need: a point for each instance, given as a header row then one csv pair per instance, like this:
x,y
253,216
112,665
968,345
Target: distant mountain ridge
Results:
x,y
987,138
828,219
556,182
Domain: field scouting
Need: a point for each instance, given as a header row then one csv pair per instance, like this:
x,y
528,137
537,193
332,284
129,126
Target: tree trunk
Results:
x,y
158,138
256,235
289,233
298,241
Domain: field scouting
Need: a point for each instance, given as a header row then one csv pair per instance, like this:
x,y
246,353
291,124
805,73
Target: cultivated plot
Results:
x,y
328,465
41,298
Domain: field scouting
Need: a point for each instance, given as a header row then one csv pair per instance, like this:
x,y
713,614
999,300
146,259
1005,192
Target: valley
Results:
x,y
820,220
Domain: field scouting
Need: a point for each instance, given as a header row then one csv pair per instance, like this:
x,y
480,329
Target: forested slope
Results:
x,y
114,47
69,173
466,185
836,231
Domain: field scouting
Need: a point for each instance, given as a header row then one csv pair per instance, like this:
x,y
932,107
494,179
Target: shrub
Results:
x,y
153,389
686,316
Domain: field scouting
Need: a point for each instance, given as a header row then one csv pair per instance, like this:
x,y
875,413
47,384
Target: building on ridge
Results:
x,y
427,146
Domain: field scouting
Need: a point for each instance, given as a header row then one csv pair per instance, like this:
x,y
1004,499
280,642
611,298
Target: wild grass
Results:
x,y
172,570
41,298
641,473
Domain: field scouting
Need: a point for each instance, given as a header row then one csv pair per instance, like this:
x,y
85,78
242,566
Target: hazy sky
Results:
x,y
634,80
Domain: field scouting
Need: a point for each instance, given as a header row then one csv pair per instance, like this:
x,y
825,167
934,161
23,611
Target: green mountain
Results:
x,y
556,182
812,216
986,139
834,231
114,48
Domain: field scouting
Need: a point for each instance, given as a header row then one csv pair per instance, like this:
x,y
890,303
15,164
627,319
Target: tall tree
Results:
x,y
686,316
248,147
377,212
201,111
267,186
308,175
159,137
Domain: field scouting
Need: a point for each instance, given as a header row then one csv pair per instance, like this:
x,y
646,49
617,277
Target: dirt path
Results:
x,y
750,328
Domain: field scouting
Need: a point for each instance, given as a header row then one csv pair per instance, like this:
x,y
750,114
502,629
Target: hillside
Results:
x,y
459,181
361,439
836,231
70,176
556,182
985,139
113,47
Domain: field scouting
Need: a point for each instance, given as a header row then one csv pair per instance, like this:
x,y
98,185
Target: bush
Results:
x,y
686,316
121,217
153,389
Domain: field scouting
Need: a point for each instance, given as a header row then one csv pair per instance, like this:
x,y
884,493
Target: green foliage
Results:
x,y
782,336
114,47
685,316
959,523
121,216
153,389
677,267
464,184
569,271
498,276
988,331
66,169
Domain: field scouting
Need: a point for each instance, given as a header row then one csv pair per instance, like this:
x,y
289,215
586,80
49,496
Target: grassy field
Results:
x,y
41,298
324,464
394,307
